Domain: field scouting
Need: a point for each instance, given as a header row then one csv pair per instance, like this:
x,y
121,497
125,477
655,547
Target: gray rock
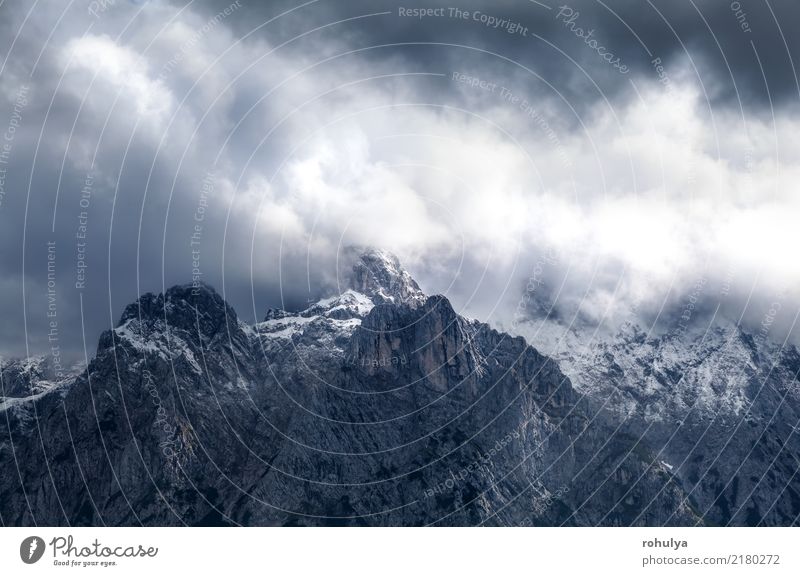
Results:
x,y
377,406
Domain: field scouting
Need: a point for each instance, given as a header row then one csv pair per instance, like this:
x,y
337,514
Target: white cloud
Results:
x,y
119,70
654,193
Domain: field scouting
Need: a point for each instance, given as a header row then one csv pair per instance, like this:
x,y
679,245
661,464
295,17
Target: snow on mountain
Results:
x,y
379,275
382,406
720,402
29,377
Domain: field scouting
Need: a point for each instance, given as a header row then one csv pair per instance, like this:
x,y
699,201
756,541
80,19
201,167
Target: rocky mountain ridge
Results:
x,y
376,406
721,407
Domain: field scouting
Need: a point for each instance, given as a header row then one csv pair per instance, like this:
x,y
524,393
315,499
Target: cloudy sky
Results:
x,y
616,155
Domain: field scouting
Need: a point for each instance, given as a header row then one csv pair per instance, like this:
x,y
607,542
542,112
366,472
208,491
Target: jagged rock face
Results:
x,y
377,406
380,276
21,378
720,407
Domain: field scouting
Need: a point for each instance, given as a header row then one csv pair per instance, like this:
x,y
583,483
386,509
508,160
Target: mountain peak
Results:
x,y
177,302
379,275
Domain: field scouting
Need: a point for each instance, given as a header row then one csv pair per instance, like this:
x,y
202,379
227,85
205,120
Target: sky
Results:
x,y
606,159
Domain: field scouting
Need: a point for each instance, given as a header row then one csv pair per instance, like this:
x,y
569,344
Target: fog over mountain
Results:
x,y
290,131
570,223
381,406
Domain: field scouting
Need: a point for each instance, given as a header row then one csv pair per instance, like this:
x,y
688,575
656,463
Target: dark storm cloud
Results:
x,y
743,52
146,192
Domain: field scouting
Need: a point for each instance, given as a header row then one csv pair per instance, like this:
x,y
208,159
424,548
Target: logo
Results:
x,y
31,550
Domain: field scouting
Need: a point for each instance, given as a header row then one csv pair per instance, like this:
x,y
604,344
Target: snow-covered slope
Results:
x,y
720,404
382,406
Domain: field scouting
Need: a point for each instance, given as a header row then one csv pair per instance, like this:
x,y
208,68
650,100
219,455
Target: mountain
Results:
x,y
375,406
718,404
34,375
